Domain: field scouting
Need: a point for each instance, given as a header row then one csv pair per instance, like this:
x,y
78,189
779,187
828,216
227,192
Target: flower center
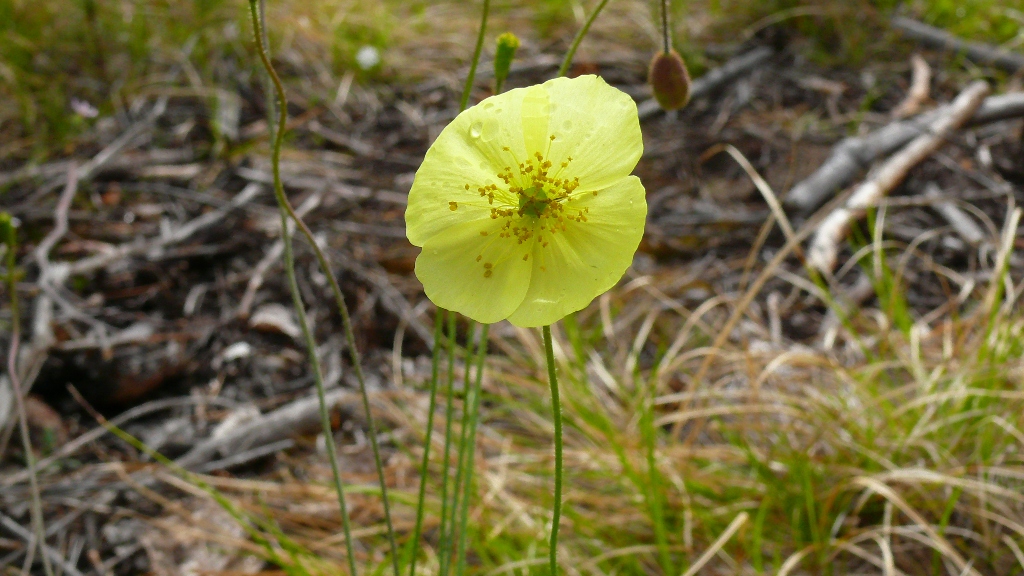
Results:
x,y
533,205
533,201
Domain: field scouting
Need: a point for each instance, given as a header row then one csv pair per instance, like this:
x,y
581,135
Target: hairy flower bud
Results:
x,y
669,80
508,43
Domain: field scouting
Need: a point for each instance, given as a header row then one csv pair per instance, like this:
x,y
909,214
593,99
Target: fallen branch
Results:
x,y
824,247
298,417
714,79
920,84
975,51
852,155
963,224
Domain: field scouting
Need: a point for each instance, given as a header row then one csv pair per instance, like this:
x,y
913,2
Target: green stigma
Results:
x,y
533,201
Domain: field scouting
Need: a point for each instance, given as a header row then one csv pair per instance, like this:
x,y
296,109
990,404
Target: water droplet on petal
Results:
x,y
567,125
488,105
476,129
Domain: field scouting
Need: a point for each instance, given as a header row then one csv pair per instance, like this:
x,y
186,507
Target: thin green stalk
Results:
x,y
335,288
556,409
435,359
664,27
318,380
474,407
476,57
289,266
564,68
12,374
461,472
449,415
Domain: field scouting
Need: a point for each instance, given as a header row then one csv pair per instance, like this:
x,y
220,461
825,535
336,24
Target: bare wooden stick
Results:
x,y
964,225
298,417
920,84
975,51
714,79
853,155
824,249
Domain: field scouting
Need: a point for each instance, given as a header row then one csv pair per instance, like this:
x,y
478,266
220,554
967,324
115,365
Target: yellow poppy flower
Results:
x,y
524,205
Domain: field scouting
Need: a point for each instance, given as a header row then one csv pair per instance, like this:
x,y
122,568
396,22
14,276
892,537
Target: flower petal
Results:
x,y
453,278
588,257
468,151
593,123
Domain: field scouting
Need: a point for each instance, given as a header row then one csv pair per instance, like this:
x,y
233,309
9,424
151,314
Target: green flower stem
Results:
x,y
12,374
564,68
664,27
556,408
435,359
288,211
473,401
449,417
476,57
461,472
314,362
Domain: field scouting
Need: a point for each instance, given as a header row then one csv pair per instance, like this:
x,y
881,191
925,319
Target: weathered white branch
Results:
x,y
824,247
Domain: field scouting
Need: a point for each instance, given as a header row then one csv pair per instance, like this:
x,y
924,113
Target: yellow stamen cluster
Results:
x,y
534,203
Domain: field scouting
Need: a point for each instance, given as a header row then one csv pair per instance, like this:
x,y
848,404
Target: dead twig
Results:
x,y
824,248
300,416
964,225
852,155
976,51
920,84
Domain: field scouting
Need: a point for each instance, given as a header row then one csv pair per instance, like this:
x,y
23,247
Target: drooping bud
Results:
x,y
670,81
508,43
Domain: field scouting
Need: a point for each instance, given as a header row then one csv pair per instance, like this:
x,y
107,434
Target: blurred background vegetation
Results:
x,y
104,53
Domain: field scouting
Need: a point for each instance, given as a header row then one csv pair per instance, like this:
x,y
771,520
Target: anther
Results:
x,y
453,206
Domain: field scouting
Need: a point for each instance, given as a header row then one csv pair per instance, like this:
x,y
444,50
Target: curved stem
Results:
x,y
476,57
434,362
288,211
579,38
556,408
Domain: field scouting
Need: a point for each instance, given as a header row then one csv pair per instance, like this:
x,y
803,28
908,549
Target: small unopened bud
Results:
x,y
7,226
669,80
503,56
